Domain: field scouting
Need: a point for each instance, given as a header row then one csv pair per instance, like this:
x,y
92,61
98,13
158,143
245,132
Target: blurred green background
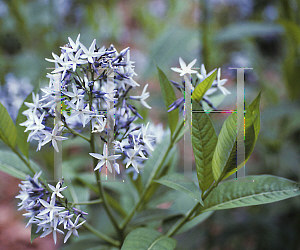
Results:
x,y
261,34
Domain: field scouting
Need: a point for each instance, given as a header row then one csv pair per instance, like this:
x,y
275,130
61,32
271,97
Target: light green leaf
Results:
x,y
253,190
203,86
147,239
204,141
224,161
181,183
169,97
8,132
11,164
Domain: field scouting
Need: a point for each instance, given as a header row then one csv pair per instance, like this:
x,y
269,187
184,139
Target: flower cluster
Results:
x,y
89,90
187,69
45,208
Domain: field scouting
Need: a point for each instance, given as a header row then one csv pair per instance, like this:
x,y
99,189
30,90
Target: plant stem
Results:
x,y
101,235
76,133
86,202
152,176
188,215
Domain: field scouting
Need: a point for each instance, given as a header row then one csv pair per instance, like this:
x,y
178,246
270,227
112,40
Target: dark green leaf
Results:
x,y
203,86
204,141
181,183
8,132
169,97
147,239
253,190
33,232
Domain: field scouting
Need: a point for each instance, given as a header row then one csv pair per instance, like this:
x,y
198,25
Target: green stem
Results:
x,y
86,202
189,214
152,176
76,133
101,235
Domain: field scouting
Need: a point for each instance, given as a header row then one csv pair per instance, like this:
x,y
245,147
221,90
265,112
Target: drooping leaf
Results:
x,y
181,183
8,132
147,239
169,97
203,86
204,141
149,215
225,160
253,190
11,164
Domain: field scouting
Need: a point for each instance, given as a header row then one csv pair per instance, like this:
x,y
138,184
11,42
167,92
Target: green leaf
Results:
x,y
11,164
194,222
149,215
203,86
255,113
181,183
204,141
253,190
147,239
8,132
169,97
22,136
224,161
33,232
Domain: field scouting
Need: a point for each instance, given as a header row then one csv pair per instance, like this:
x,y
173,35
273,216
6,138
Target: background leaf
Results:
x,y
181,183
253,190
204,141
146,239
8,132
34,235
169,97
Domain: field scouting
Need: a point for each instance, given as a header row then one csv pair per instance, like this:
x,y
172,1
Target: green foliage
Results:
x,y
224,161
34,235
8,132
204,140
203,86
169,97
181,183
147,239
253,190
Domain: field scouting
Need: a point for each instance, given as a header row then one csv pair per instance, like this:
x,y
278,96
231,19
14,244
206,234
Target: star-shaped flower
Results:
x,y
185,69
56,190
73,228
142,97
90,53
104,159
220,83
53,137
50,208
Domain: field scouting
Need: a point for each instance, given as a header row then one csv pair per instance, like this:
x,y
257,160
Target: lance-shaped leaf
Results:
x,y
34,235
147,239
225,161
181,183
169,97
8,132
204,141
253,190
203,86
255,113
